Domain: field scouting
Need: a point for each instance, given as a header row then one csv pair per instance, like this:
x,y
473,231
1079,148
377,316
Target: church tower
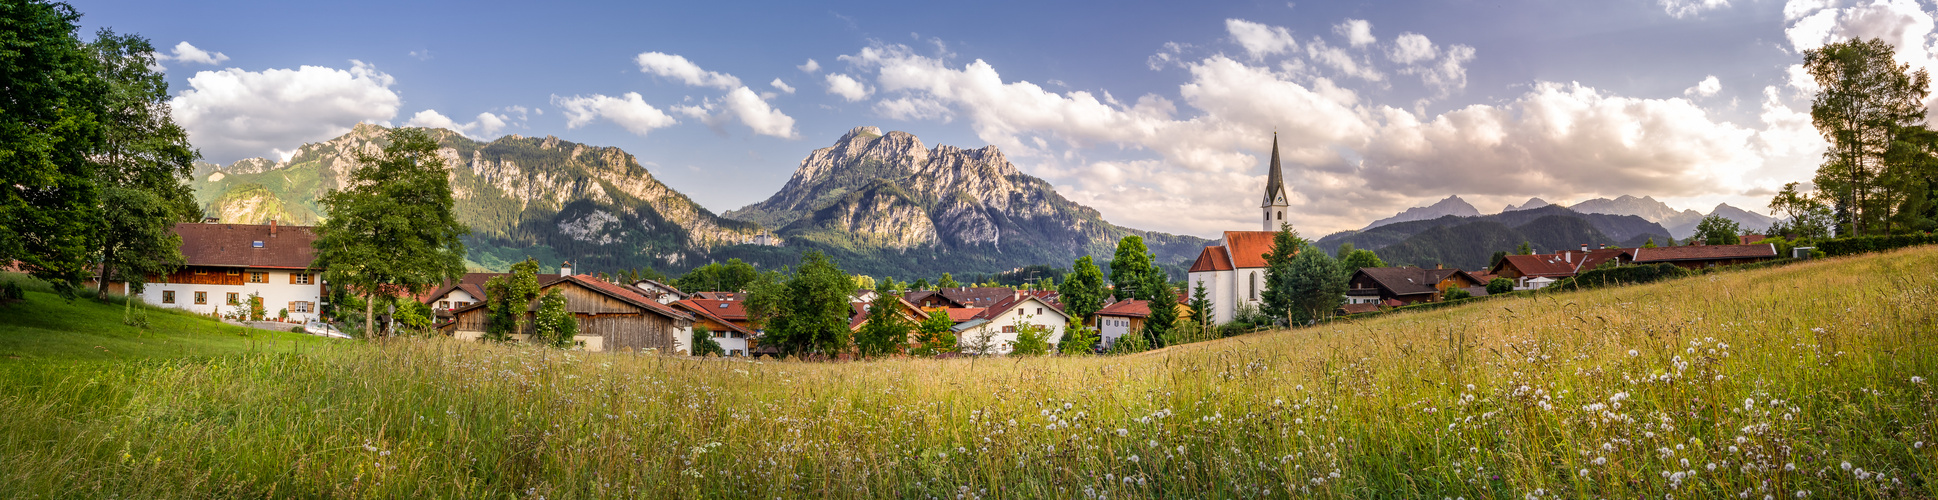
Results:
x,y
1275,205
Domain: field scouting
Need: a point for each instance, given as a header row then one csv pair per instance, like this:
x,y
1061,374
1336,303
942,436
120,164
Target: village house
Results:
x,y
735,338
1704,256
1233,272
1530,272
611,317
859,313
666,294
993,331
226,263
1397,286
469,289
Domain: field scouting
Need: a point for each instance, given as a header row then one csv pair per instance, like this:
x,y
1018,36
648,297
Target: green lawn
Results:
x,y
47,328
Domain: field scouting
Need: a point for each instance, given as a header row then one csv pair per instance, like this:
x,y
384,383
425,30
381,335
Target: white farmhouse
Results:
x,y
1233,272
228,262
994,330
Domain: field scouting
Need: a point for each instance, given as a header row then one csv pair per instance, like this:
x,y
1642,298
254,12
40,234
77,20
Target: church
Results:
x,y
1233,272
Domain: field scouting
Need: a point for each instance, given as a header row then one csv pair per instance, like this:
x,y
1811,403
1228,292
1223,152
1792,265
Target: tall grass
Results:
x,y
1808,381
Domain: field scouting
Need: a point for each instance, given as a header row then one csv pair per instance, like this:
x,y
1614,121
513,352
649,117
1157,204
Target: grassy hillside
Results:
x,y
47,329
1811,380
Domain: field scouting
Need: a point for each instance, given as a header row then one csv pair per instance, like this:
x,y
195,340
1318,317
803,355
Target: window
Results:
x,y
235,272
199,272
1281,215
258,277
1254,288
235,298
168,296
1039,311
302,306
299,278
443,304
201,297
1009,329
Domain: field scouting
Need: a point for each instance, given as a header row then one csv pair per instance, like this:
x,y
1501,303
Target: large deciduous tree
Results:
x,y
392,229
813,308
886,331
50,132
1867,103
1082,291
1717,230
143,169
1132,269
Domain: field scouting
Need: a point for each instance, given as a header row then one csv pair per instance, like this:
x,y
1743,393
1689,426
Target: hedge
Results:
x,y
1867,244
1620,275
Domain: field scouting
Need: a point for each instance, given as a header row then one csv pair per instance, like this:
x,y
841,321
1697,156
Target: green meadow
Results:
x,y
1810,380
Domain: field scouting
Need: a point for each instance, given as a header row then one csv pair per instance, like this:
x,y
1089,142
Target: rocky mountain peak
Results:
x,y
1451,205
1531,204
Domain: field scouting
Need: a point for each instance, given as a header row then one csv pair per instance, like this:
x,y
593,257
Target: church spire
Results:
x,y
1275,196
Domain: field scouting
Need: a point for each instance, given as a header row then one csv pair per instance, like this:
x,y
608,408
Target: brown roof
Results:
x,y
731,310
1752,238
1211,259
977,296
1127,308
624,293
1359,308
1538,265
1248,248
1410,280
702,311
961,314
234,245
1003,306
1705,252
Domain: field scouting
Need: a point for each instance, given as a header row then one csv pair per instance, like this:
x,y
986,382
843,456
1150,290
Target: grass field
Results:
x,y
1804,381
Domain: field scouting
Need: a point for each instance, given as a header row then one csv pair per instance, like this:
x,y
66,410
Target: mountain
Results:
x,y
1681,224
521,196
1537,223
883,203
1749,221
1453,205
1532,203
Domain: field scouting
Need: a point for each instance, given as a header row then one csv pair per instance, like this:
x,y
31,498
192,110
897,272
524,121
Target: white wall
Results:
x,y
276,294
1112,327
457,298
1000,341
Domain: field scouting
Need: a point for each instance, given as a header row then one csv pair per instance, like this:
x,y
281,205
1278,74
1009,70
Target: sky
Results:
x,y
1160,115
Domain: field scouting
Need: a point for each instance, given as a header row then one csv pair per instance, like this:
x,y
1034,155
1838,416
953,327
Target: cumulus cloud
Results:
x,y
743,105
809,67
186,53
1423,58
1258,39
629,111
1411,48
781,86
1904,24
1705,88
1358,32
484,126
1349,160
234,114
1343,61
847,87
678,68
1685,8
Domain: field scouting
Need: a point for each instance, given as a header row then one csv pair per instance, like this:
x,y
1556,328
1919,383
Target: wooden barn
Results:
x,y
612,317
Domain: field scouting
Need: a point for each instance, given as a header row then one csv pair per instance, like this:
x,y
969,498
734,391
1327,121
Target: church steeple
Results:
x,y
1275,205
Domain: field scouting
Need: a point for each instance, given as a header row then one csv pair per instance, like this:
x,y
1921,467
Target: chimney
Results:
x,y
272,228
565,269
1567,256
1584,247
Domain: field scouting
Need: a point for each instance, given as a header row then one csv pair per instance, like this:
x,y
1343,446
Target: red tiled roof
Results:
x,y
1211,259
473,283
1538,265
1003,306
1705,252
1248,248
1126,308
961,314
233,245
703,312
1749,239
732,310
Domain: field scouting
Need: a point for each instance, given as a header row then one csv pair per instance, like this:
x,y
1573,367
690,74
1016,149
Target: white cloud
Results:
x,y
629,110
781,86
1707,87
1358,32
483,127
1258,40
1685,8
421,55
810,67
1904,24
678,68
913,108
234,114
847,87
757,115
1412,48
186,53
1342,61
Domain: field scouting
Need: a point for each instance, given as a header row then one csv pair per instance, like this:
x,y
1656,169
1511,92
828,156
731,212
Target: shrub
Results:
x,y
1130,343
553,324
703,343
1031,340
11,291
1867,244
1499,286
1078,340
1455,294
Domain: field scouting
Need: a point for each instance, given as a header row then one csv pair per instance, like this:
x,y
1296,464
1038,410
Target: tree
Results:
x,y
1344,250
1031,340
1717,230
1077,339
553,324
1162,324
507,298
812,316
1650,243
1524,249
1315,286
49,135
764,296
1279,279
1494,261
703,343
1083,291
143,168
1132,268
1200,308
863,281
947,281
1360,259
936,334
393,230
732,276
886,331
1802,214
1867,101
920,284
1499,285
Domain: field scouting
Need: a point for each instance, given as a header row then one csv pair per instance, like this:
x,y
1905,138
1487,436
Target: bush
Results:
x,y
1455,294
703,343
1130,343
11,291
1499,286
1867,244
1077,339
1031,340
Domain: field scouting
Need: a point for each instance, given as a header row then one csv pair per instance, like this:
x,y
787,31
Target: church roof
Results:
x,y
1275,183
1248,248
1211,259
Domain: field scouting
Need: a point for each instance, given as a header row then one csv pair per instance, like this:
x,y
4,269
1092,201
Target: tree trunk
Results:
x,y
370,316
107,269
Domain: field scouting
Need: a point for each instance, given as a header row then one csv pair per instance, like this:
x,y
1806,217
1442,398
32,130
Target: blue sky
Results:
x,y
1159,114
